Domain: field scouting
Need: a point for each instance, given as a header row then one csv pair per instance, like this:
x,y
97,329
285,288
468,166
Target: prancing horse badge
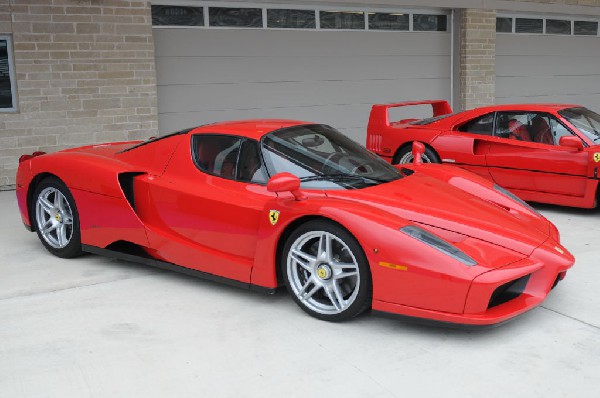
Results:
x,y
273,216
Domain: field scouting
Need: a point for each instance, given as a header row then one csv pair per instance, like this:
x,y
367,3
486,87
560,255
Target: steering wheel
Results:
x,y
355,165
334,158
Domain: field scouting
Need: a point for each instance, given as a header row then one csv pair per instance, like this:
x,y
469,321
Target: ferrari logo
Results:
x,y
597,157
322,273
273,216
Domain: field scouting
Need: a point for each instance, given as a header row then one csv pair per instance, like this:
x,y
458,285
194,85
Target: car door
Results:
x,y
466,144
204,211
524,155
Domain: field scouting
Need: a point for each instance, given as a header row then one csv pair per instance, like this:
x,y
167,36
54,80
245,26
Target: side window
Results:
x,y
540,129
250,167
216,154
483,125
514,125
558,130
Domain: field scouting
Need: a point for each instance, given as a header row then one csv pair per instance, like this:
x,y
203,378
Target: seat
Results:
x,y
207,152
541,131
519,132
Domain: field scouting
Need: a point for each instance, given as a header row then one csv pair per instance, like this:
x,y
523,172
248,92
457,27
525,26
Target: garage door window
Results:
x,y
342,20
388,21
7,82
558,26
291,19
176,15
529,25
504,25
235,17
586,28
429,23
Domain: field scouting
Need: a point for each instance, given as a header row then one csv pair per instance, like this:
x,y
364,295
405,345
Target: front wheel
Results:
x,y
326,271
405,156
56,218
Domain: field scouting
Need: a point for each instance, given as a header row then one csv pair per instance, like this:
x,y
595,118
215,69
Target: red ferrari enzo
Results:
x,y
545,153
264,203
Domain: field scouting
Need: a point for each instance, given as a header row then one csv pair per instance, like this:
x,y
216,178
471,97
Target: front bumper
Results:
x,y
501,294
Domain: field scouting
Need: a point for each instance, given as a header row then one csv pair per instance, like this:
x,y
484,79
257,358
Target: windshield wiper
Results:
x,y
341,177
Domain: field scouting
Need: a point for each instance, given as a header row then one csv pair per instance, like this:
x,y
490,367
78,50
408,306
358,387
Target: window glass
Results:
x,y
216,154
342,19
6,91
513,125
558,26
529,25
584,120
558,130
483,125
586,28
235,17
324,158
388,21
428,22
291,19
177,15
250,167
504,25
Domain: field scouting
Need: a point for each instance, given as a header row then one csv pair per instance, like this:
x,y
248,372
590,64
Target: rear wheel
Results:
x,y
326,271
56,218
405,155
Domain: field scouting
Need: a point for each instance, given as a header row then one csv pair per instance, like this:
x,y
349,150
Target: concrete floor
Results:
x,y
94,327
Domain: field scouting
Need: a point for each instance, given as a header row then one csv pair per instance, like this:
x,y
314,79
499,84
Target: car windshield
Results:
x,y
586,121
324,158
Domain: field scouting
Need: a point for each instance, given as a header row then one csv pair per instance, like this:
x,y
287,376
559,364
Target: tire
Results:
x,y
404,156
326,271
56,218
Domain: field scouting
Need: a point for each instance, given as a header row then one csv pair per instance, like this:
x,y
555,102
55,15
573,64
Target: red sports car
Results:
x,y
545,153
266,203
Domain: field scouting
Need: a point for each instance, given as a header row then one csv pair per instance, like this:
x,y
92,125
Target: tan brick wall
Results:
x,y
85,74
477,32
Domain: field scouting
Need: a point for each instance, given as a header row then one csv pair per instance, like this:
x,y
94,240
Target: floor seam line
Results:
x,y
571,317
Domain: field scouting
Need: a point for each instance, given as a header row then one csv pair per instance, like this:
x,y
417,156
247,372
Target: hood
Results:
x,y
426,200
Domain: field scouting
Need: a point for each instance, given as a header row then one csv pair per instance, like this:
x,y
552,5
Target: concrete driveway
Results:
x,y
94,327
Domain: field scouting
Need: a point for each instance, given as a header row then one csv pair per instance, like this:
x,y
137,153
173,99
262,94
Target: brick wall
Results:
x,y
85,74
477,31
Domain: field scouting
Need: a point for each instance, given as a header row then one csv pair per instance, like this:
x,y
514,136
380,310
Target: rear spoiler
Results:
x,y
23,158
381,117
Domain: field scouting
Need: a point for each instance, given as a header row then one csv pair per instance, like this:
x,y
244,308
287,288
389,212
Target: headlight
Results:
x,y
512,196
438,244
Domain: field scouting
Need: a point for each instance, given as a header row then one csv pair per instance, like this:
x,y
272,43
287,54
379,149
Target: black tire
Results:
x,y
63,216
336,297
404,155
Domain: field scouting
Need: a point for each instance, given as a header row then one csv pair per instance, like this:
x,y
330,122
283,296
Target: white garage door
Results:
x,y
207,75
547,67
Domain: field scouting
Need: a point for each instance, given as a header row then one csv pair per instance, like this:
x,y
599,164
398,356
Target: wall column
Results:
x,y
477,57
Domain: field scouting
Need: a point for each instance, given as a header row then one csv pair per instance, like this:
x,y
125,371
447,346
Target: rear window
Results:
x,y
430,120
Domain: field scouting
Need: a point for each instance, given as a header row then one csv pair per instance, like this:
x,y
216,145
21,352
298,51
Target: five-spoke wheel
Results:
x,y
56,218
326,271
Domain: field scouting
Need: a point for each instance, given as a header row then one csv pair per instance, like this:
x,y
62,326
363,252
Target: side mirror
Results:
x,y
418,149
570,141
286,182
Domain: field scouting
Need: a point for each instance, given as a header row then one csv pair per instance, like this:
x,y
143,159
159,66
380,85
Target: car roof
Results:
x,y
528,107
251,128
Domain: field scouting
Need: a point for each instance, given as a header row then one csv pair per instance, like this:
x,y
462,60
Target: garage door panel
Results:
x,y
347,118
262,42
546,85
534,45
201,70
548,65
276,95
548,68
210,75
